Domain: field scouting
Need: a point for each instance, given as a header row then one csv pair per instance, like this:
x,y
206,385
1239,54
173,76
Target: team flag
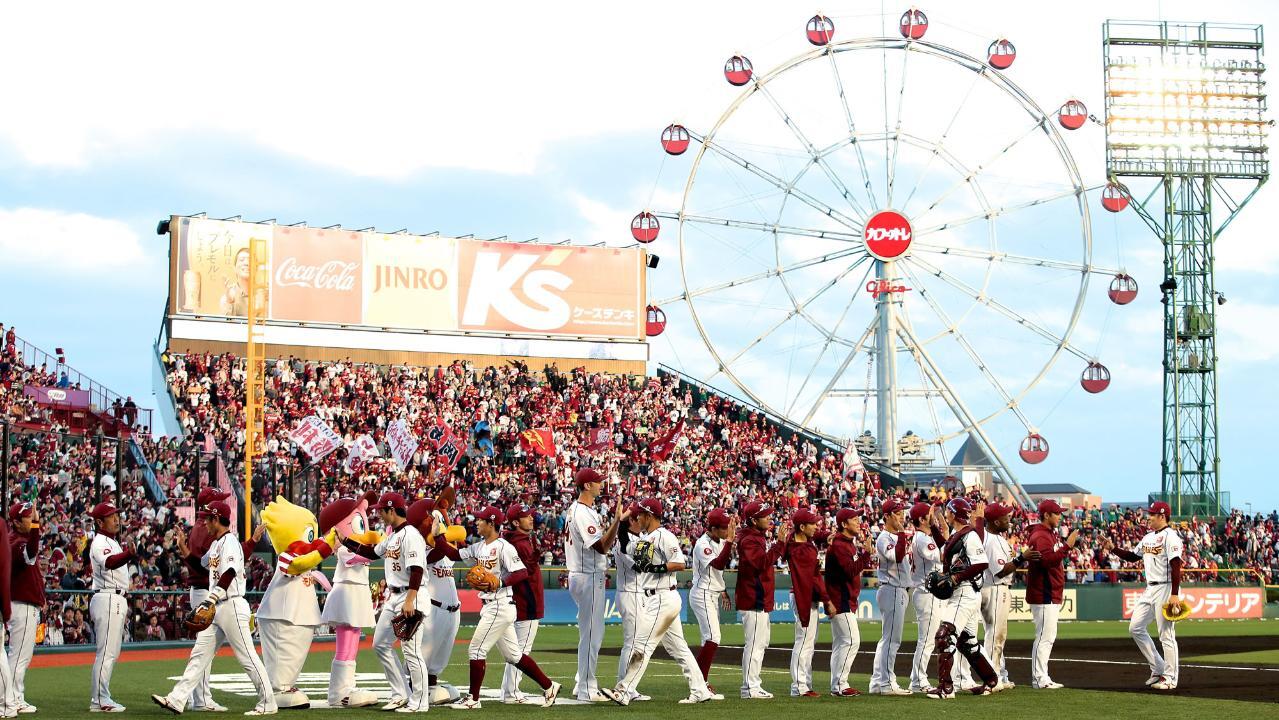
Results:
x,y
662,447
538,441
599,439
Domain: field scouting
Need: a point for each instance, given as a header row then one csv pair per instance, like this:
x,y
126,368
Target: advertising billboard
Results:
x,y
1210,603
410,282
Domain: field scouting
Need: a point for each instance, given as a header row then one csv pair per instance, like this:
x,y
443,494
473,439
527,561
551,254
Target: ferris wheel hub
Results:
x,y
888,235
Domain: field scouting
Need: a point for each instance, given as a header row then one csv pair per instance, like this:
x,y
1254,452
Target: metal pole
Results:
x,y
119,465
97,468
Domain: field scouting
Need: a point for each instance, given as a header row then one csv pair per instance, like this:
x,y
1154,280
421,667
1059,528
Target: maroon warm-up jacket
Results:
x,y
755,561
529,600
1045,577
845,561
806,579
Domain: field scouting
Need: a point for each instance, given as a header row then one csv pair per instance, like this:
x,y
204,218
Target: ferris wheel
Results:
x,y
885,238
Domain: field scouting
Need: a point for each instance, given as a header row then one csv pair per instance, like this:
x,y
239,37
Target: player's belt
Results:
x,y
446,608
1157,582
650,592
112,591
398,590
497,600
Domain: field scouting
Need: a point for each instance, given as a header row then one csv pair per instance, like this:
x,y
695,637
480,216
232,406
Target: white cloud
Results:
x,y
1246,332
58,241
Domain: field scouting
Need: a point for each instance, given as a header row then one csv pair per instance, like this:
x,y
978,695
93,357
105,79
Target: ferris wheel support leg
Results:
x,y
834,378
961,411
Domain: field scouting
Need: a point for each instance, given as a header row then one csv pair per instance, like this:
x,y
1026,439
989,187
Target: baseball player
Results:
x,y
8,696
1161,555
26,586
996,593
892,548
192,548
963,562
925,557
586,546
1045,584
108,608
808,589
711,555
656,554
437,640
627,595
756,558
530,605
845,561
497,617
225,563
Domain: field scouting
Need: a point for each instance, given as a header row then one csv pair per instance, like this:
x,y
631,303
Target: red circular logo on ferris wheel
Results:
x,y
887,234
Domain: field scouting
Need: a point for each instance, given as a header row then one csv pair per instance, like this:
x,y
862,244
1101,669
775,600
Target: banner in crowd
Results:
x,y
540,441
665,443
58,396
394,281
361,451
1210,603
315,437
599,439
401,442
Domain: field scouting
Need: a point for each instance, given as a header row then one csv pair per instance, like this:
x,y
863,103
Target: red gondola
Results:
x,y
1114,198
1123,289
655,321
914,24
738,70
1034,449
1095,378
820,30
1001,54
1072,115
675,139
644,227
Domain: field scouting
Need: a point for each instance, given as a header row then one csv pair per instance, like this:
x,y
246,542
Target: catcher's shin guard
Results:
x,y
945,656
971,650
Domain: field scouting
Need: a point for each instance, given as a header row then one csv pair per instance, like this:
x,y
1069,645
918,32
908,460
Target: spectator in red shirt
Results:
x,y
1045,580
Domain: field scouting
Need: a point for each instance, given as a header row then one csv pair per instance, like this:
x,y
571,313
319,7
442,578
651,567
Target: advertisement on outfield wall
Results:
x,y
1019,609
409,282
1210,603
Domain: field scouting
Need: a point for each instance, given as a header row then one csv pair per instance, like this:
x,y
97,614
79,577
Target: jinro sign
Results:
x,y
1210,602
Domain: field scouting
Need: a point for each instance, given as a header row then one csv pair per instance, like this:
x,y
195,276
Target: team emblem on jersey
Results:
x,y
213,562
891,545
932,546
490,564
706,551
1153,549
590,530
393,554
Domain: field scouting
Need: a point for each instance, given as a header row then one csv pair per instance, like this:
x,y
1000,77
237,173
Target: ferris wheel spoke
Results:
x,y
1005,210
999,256
852,131
788,188
839,235
978,170
843,366
992,303
941,142
830,339
773,272
817,157
901,98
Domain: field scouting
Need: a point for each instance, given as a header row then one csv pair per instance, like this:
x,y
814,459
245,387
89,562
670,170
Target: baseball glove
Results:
x,y
642,553
939,584
199,618
481,579
1175,610
405,626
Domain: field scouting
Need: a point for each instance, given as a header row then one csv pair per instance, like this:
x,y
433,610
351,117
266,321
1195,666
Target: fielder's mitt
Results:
x,y
405,626
939,584
1176,610
481,579
642,553
199,618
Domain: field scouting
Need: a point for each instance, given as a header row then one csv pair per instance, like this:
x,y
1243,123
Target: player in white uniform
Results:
x,y
108,609
1161,554
654,556
925,557
963,561
627,594
892,549
586,546
711,554
497,617
225,561
996,590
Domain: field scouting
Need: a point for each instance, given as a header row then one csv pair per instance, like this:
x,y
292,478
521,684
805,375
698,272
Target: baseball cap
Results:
x,y
920,510
717,518
996,510
846,514
1049,506
492,515
392,500
517,511
21,510
960,507
1161,508
892,505
217,509
634,509
755,510
419,511
804,515
210,494
587,475
102,511
652,506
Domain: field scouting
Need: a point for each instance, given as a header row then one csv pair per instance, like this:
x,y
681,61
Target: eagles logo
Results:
x,y
1153,549
213,563
393,554
489,564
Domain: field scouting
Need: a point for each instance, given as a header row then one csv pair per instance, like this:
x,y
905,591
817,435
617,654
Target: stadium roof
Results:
x,y
972,454
1055,489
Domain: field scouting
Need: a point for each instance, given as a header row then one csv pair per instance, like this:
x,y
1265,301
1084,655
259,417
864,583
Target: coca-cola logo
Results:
x,y
333,275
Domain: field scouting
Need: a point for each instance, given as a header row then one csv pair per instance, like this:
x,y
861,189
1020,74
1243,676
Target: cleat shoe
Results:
x,y
163,702
521,699
26,709
1050,685
694,699
210,706
939,694
596,697
895,690
1007,685
846,692
395,704
109,709
550,693
757,695
1164,684
637,697
620,698
1154,679
255,712
467,703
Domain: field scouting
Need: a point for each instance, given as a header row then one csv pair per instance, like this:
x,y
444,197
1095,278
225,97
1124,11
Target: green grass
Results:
x,y
1256,657
63,691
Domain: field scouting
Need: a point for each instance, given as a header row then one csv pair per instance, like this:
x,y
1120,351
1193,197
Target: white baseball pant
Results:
x,y
201,696
847,640
705,605
627,607
1045,617
496,620
801,654
22,642
658,621
892,608
107,609
925,604
587,590
232,621
410,686
995,603
757,630
8,695
524,632
1148,608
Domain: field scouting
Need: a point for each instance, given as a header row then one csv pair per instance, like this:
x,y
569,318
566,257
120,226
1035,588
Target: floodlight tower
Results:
x,y
1186,140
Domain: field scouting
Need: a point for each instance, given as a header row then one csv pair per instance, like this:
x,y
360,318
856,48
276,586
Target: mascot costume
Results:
x,y
349,605
290,611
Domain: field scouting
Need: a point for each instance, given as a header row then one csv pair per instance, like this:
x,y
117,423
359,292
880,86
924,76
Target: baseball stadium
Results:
x,y
877,360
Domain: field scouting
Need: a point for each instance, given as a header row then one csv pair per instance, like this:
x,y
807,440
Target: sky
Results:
x,y
542,120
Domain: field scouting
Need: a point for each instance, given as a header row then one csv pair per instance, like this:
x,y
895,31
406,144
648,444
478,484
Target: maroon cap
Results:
x,y
1049,506
755,510
210,494
517,511
960,507
102,511
846,514
419,512
803,516
920,510
587,475
1161,508
717,518
392,500
217,509
653,507
634,509
492,515
21,510
892,505
996,510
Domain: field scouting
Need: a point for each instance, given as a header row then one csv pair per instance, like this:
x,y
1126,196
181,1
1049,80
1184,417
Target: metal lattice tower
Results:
x,y
1186,140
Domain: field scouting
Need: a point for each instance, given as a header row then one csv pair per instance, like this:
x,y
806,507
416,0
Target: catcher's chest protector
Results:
x,y
955,557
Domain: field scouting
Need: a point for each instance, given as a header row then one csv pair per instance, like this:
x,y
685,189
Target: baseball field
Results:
x,y
1229,668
